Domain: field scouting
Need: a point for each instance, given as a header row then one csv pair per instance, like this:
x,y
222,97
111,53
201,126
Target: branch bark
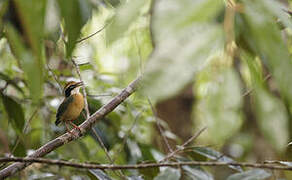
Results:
x,y
143,165
84,127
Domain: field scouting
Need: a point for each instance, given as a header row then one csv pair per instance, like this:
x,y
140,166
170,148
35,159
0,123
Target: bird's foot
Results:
x,y
75,127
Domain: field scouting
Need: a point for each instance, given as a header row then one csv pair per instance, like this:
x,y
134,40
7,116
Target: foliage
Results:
x,y
233,57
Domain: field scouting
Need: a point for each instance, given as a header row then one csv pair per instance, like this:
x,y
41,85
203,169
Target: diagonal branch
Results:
x,y
84,127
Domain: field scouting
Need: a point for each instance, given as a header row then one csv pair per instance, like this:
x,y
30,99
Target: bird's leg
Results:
x,y
68,129
75,126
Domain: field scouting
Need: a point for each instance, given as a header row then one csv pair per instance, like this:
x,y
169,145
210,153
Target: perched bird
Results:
x,y
72,106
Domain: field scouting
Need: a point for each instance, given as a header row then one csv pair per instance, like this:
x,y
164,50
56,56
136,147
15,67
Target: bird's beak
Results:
x,y
79,84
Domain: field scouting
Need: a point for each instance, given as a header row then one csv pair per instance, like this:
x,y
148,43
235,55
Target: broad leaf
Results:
x,y
215,155
169,174
14,112
269,44
196,173
75,14
219,102
272,116
28,62
254,174
182,44
32,13
99,174
124,17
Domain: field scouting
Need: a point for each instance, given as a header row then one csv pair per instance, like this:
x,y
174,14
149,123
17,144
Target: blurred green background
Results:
x,y
224,65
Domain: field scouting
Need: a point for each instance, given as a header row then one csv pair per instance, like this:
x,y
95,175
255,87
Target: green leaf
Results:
x,y
219,84
28,62
32,13
20,150
75,14
169,174
271,113
215,155
254,174
99,174
167,16
14,112
183,42
269,44
272,119
124,17
147,155
196,173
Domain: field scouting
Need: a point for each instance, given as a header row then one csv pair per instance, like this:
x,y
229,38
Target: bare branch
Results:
x,y
92,165
67,137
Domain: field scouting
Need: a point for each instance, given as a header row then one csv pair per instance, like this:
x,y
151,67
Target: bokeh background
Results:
x,y
224,65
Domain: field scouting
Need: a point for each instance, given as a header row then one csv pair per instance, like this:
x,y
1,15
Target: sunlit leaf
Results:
x,y
167,16
219,102
14,112
99,174
270,111
254,174
169,173
196,173
182,44
269,43
125,15
273,119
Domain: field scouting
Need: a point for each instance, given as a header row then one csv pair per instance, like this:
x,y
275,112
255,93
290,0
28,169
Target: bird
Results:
x,y
71,107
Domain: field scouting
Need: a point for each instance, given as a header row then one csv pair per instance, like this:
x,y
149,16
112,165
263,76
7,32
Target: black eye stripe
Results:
x,y
68,90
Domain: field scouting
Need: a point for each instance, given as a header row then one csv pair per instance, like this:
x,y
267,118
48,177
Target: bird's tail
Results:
x,y
57,121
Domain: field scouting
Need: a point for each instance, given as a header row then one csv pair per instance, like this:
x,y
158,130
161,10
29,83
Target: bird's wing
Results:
x,y
62,109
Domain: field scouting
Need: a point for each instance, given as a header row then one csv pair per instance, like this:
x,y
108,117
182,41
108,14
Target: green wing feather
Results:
x,y
62,108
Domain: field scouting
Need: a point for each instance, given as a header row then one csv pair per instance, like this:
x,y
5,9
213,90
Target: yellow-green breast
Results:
x,y
74,108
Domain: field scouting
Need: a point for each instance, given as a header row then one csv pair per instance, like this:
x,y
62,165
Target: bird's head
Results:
x,y
72,87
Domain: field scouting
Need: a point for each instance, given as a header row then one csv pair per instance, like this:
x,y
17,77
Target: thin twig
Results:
x,y
159,126
55,78
84,127
93,34
94,165
183,146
